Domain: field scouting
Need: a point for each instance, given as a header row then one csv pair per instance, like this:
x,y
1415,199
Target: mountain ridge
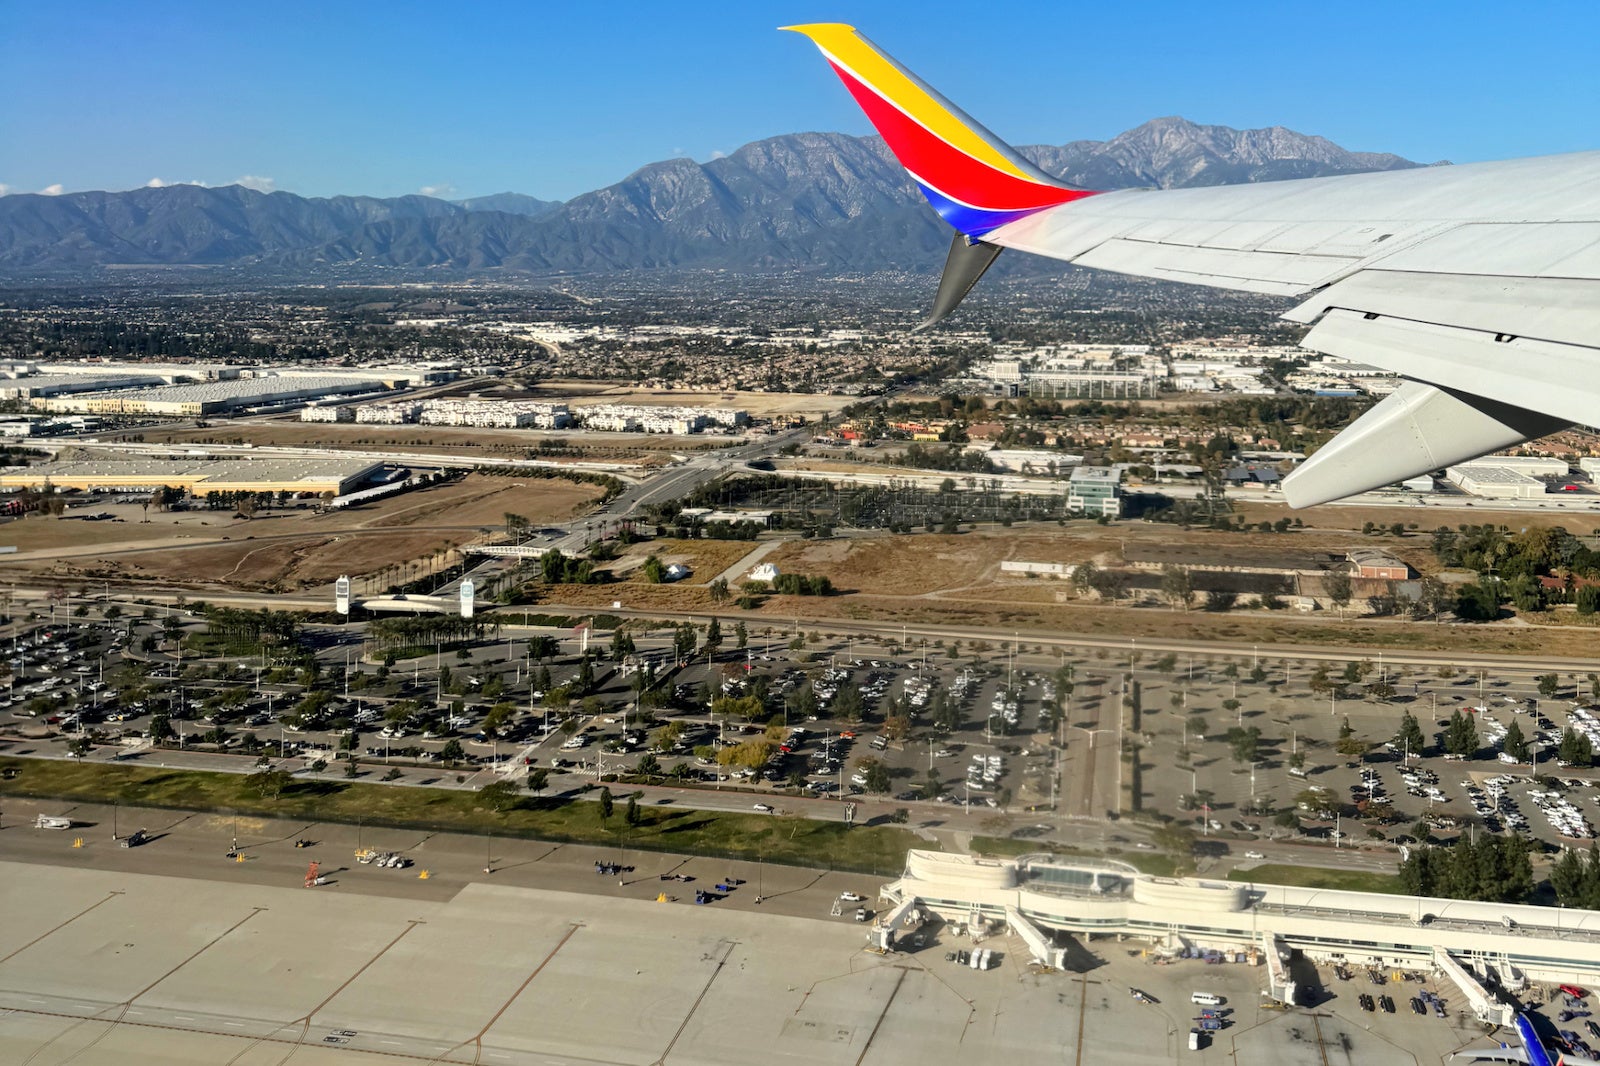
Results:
x,y
796,201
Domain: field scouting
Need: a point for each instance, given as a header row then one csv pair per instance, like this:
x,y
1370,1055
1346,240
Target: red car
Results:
x,y
1574,991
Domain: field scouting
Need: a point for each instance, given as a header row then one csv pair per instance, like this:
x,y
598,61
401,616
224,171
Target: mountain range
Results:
x,y
820,201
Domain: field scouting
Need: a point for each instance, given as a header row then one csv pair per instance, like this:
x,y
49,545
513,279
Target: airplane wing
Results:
x,y
1479,285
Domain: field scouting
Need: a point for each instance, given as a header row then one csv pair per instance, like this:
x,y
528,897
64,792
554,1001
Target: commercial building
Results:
x,y
1111,899
1095,490
1028,460
1021,566
199,476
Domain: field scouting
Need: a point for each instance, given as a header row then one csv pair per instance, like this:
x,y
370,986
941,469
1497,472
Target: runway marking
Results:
x,y
697,1001
312,1013
195,955
290,1045
526,982
63,925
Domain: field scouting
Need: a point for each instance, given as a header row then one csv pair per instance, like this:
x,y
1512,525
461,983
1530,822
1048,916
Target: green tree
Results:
x,y
499,795
538,779
607,805
1461,735
1409,738
1575,749
1549,684
876,774
1515,744
632,814
1337,584
1177,586
269,783
655,571
1245,744
452,752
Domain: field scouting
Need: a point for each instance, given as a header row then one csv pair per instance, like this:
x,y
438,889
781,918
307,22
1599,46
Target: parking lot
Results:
x,y
1243,749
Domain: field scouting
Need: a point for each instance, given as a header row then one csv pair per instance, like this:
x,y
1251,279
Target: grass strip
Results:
x,y
789,839
1318,877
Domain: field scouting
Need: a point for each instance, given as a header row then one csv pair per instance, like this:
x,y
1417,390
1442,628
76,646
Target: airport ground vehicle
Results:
x,y
135,838
47,821
1206,999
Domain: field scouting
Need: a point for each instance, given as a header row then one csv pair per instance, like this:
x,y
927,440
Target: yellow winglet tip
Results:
x,y
814,30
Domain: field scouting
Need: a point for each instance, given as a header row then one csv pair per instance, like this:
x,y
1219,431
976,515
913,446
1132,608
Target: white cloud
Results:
x,y
717,153
53,190
259,184
156,183
4,188
444,188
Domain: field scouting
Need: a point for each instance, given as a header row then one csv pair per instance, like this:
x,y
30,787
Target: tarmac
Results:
x,y
172,953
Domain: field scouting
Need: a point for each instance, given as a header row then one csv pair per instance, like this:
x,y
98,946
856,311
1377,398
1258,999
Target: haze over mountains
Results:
x,y
823,201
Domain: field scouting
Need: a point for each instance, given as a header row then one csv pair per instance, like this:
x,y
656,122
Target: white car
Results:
x,y
1254,855
852,897
764,808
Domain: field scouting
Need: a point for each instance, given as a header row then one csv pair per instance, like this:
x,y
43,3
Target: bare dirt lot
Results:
x,y
705,558
479,500
288,549
956,580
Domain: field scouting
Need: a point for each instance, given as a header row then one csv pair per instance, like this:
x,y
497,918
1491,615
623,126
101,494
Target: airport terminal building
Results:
x,y
1473,943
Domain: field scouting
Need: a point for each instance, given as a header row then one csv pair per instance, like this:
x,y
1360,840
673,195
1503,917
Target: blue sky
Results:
x,y
556,99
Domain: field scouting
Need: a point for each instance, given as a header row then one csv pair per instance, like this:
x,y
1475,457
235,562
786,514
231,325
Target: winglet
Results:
x,y
973,179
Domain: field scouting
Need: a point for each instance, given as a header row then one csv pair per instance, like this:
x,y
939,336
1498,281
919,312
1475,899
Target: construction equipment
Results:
x,y
313,877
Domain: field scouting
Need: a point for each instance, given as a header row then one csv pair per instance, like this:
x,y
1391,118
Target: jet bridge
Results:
x,y
1280,986
880,936
1044,953
1484,1006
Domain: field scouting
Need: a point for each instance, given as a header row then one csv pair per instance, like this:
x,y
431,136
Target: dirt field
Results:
x,y
954,580
707,558
285,549
478,500
297,562
1427,519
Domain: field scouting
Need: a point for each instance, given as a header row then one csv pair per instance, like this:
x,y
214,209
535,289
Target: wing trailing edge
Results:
x,y
1415,429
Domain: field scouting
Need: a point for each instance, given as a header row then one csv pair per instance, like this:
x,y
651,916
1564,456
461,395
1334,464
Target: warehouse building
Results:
x,y
199,476
1495,482
212,397
40,386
